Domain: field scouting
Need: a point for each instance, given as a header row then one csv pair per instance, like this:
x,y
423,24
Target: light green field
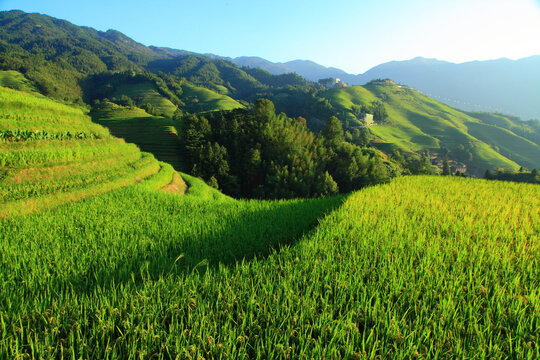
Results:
x,y
15,80
417,122
199,99
95,263
146,92
422,267
51,154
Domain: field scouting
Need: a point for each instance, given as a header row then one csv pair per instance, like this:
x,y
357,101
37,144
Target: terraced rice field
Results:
x,y
52,153
422,267
153,134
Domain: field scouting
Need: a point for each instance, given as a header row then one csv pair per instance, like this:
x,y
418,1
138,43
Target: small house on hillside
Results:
x,y
331,83
340,84
367,119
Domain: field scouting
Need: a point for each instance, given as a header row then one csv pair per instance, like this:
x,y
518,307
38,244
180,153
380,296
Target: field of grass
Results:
x,y
51,154
417,122
153,134
422,267
15,80
199,99
146,93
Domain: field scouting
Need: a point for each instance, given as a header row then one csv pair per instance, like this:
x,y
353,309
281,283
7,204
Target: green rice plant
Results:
x,y
159,179
56,151
83,190
27,135
422,267
19,184
21,110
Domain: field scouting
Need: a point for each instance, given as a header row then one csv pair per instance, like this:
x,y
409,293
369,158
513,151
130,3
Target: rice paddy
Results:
x,y
51,153
422,267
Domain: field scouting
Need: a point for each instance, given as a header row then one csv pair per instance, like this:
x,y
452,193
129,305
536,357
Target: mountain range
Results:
x,y
81,65
502,85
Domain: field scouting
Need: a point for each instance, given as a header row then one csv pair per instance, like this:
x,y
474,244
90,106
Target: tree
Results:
x,y
302,121
446,168
326,186
149,108
264,110
194,132
360,137
379,111
423,166
326,82
356,110
333,131
212,182
177,114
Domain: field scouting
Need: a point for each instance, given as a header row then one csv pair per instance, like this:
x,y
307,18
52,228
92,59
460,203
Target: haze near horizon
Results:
x,y
351,35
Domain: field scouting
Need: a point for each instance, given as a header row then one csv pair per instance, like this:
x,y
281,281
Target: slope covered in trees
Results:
x,y
416,122
63,60
260,154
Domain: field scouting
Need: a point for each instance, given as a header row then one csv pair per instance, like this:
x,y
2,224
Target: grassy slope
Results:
x,y
419,122
199,99
153,134
76,158
196,98
527,129
16,80
422,267
146,92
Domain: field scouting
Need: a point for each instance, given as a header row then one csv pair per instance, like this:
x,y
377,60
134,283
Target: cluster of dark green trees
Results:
x,y
522,175
258,154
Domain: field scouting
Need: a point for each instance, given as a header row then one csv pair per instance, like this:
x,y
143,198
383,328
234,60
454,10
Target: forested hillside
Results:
x,y
81,65
415,122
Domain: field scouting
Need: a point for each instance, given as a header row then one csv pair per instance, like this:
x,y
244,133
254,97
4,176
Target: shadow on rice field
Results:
x,y
154,235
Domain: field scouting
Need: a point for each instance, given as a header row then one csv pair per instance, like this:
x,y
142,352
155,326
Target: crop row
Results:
x,y
147,168
51,152
24,184
27,135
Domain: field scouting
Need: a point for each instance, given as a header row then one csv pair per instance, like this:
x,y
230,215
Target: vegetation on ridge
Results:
x,y
263,155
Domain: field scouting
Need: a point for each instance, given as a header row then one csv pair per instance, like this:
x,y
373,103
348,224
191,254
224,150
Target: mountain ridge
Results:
x,y
480,85
92,66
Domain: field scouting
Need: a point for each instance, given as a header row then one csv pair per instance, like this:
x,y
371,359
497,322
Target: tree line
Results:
x,y
258,154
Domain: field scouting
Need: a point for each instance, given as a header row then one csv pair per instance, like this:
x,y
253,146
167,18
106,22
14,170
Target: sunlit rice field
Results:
x,y
423,267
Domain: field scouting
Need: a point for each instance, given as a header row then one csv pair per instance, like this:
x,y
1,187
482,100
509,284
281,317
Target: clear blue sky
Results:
x,y
353,35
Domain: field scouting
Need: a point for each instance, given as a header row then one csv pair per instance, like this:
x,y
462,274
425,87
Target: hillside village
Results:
x,y
455,166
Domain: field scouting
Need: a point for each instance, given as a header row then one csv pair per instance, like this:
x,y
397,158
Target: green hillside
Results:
x,y
15,80
153,134
60,58
529,130
146,93
199,99
52,153
416,122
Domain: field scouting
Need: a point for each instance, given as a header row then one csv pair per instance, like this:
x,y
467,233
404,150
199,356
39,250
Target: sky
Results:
x,y
353,35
